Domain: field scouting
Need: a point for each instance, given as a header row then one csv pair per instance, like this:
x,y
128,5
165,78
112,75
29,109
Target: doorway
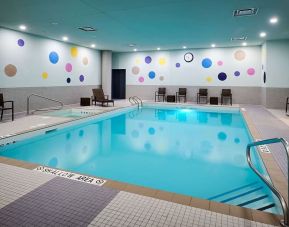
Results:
x,y
118,82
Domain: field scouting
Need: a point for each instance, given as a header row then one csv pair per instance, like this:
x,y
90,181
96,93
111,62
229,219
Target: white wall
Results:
x,y
32,60
106,61
277,58
163,64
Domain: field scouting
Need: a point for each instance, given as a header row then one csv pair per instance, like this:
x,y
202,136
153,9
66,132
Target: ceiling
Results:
x,y
168,24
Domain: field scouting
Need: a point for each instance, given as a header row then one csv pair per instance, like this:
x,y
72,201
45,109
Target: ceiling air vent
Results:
x,y
243,38
87,29
245,12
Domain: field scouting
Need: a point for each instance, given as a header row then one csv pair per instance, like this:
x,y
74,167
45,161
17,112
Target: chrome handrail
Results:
x,y
135,100
273,189
43,109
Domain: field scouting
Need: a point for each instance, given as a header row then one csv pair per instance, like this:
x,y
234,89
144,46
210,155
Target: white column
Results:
x,y
106,68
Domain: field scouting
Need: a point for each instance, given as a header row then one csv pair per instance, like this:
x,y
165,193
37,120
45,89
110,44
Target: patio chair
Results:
x,y
3,107
98,96
160,93
182,93
203,93
226,93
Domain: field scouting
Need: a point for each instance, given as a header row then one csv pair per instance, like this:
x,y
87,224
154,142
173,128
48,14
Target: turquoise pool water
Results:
x,y
195,152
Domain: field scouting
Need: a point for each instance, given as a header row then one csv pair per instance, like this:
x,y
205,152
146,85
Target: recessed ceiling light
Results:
x,y
263,34
213,45
273,20
134,50
184,47
241,38
158,48
64,38
244,44
92,45
22,27
245,12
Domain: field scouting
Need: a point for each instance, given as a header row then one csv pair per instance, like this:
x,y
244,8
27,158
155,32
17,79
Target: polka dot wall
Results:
x,y
31,61
209,67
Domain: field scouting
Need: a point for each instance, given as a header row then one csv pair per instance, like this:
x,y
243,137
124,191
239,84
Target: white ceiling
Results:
x,y
169,24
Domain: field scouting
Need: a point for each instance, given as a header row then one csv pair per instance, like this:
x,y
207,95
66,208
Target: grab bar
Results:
x,y
42,109
136,100
273,189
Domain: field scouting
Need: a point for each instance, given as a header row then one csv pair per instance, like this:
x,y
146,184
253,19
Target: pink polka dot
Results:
x,y
220,63
141,79
68,67
251,71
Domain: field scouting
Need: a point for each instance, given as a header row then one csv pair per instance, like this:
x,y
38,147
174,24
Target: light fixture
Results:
x,y
273,20
92,45
244,44
134,50
64,38
158,48
131,45
213,45
263,34
22,27
184,47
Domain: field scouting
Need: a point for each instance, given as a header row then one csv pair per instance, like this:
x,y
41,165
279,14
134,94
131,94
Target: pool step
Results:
x,y
249,196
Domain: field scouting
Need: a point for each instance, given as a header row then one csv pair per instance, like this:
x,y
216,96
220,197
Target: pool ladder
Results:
x,y
43,109
283,203
135,100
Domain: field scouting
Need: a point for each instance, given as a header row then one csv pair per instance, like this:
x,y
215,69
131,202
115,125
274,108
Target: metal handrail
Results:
x,y
135,100
273,189
43,109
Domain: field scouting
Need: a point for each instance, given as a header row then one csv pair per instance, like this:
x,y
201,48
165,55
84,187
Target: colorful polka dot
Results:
x,y
151,131
68,67
10,70
20,42
137,61
162,61
148,59
68,80
74,52
209,79
147,146
237,73
141,79
152,74
44,75
81,78
240,55
222,76
251,71
237,140
53,57
162,78
207,63
135,70
220,63
178,65
85,60
222,136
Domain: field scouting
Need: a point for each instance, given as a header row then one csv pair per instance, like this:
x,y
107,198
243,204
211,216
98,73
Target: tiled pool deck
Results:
x,y
31,198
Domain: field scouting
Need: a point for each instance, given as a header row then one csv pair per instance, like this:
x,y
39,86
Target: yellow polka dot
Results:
x,y
209,79
44,75
162,61
74,51
138,61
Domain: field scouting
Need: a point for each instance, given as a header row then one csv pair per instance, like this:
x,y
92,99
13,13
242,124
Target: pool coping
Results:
x,y
270,164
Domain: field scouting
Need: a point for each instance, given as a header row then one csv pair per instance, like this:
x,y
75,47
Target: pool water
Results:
x,y
195,152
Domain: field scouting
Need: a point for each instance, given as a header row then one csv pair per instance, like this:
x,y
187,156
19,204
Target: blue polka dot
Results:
x,y
53,162
151,131
53,57
152,74
222,136
207,63
20,42
222,76
237,140
68,135
81,133
178,65
68,80
147,146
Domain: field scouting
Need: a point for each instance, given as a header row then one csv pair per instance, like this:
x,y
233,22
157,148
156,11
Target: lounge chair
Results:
x,y
160,93
203,93
226,93
182,93
98,96
3,107
287,103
